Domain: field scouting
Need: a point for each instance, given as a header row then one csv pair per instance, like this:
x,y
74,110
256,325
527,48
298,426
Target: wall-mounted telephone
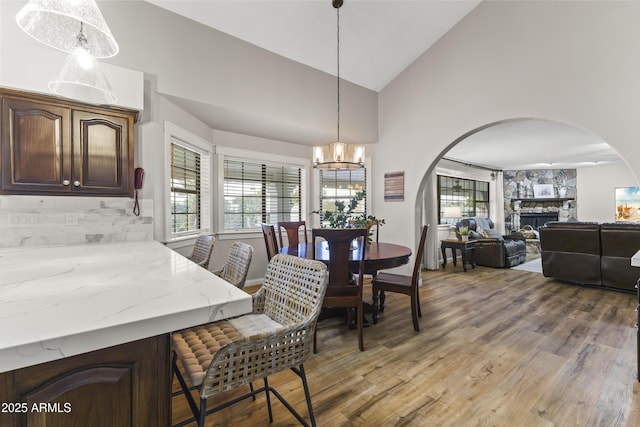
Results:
x,y
139,177
137,185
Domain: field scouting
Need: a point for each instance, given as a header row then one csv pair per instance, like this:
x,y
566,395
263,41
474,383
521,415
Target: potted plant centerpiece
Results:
x,y
344,217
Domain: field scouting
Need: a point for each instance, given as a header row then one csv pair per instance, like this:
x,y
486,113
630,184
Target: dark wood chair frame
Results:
x,y
268,231
292,228
340,293
408,285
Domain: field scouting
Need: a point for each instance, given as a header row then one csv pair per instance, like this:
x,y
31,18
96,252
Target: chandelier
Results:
x,y
338,154
76,27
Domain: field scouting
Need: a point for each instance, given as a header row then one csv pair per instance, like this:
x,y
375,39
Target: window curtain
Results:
x,y
430,216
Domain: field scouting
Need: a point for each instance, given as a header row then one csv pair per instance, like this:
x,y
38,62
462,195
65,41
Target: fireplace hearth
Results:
x,y
537,220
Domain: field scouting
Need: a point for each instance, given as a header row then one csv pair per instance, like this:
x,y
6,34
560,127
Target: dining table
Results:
x,y
378,256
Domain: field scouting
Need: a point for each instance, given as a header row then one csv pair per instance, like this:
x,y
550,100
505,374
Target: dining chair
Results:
x,y
202,250
374,236
340,292
237,264
292,228
277,335
408,285
270,242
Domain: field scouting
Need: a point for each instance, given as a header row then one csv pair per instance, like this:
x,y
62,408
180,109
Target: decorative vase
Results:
x,y
464,237
562,191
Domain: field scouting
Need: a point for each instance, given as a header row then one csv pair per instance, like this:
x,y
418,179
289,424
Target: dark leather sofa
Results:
x,y
590,253
496,250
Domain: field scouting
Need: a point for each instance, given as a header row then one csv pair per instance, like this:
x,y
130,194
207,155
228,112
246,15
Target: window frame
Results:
x,y
176,135
364,203
472,191
269,159
315,219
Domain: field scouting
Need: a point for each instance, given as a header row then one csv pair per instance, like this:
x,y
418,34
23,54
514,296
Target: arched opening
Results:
x,y
531,148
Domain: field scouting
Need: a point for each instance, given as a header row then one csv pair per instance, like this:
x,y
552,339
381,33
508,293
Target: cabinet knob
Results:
x,y
65,182
76,183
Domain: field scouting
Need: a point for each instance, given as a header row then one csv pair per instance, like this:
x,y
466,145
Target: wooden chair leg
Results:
x,y
374,305
414,313
418,303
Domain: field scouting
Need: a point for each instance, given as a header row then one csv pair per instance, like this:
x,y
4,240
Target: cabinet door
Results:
x,y
128,385
102,153
35,146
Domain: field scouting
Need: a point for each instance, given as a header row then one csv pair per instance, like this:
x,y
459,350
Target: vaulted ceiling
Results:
x,y
379,39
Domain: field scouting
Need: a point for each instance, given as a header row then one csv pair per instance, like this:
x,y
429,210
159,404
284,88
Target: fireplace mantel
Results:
x,y
545,199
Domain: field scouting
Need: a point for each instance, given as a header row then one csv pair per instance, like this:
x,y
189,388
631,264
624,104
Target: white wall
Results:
x,y
247,89
595,188
567,61
256,100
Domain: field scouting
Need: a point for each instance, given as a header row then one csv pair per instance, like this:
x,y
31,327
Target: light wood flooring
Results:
x,y
497,347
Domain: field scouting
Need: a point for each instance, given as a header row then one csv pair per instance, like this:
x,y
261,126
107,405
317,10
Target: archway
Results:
x,y
584,144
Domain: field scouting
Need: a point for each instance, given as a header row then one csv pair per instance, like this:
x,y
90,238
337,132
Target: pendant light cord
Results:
x,y
338,68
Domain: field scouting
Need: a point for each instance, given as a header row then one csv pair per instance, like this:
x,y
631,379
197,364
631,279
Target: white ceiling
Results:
x,y
379,39
534,144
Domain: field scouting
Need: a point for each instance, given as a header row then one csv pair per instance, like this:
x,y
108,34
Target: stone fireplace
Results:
x,y
521,207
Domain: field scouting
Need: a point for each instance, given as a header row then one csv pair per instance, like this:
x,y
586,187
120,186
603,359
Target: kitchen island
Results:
x,y
84,330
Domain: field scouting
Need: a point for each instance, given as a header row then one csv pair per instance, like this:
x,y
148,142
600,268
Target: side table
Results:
x,y
465,248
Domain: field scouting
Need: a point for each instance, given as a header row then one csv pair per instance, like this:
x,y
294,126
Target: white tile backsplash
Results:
x,y
60,220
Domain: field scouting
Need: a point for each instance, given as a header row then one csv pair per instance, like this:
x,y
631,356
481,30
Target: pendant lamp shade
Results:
x,y
81,78
338,155
56,23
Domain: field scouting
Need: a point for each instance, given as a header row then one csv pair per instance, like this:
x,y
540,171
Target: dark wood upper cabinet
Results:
x,y
55,146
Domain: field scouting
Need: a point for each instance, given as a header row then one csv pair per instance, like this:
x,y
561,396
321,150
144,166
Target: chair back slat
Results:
x,y
292,228
270,241
339,242
418,262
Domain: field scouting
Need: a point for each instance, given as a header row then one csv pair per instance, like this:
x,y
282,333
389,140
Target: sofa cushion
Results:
x,y
483,223
515,247
475,235
491,234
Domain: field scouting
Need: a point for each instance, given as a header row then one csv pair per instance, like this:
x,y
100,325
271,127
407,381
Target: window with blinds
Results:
x,y
341,185
189,190
256,192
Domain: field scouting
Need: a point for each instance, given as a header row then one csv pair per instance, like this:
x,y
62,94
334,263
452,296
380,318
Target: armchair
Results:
x,y
492,248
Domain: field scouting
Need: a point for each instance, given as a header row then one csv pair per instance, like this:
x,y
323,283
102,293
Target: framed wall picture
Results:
x,y
627,204
394,187
543,191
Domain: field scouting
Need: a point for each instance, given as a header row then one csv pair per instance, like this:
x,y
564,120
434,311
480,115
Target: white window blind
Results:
x,y
190,189
257,192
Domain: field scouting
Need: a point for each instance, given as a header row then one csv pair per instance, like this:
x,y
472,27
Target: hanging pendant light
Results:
x,y
338,154
55,23
81,77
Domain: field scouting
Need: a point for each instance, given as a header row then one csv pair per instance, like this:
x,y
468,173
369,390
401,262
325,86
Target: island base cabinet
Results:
x,y
125,385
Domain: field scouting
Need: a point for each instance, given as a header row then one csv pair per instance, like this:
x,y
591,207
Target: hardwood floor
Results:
x,y
497,347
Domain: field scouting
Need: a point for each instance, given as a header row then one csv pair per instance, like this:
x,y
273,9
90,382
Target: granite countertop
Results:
x,y
59,301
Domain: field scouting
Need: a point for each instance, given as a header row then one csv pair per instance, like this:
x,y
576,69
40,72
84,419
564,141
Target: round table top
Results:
x,y
378,256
